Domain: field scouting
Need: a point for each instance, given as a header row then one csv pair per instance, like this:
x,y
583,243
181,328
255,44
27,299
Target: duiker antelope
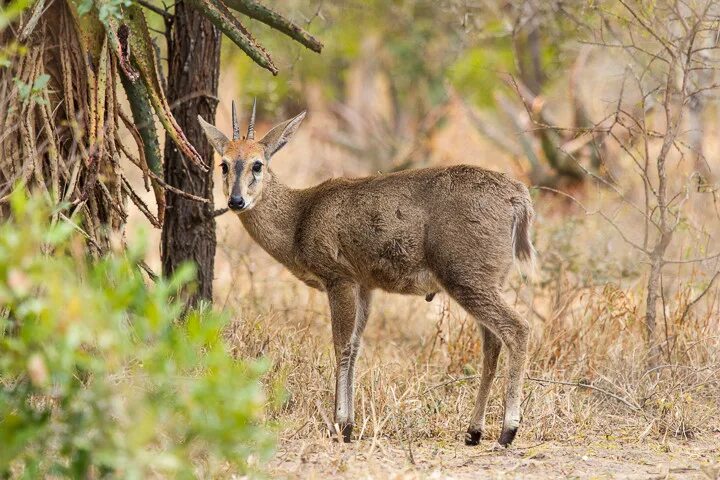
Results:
x,y
456,229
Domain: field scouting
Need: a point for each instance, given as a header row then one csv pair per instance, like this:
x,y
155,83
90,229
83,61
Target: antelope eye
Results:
x,y
257,167
224,168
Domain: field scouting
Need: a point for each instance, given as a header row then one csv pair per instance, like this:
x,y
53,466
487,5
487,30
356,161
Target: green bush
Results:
x,y
101,372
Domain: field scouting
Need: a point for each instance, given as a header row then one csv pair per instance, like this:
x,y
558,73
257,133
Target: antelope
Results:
x,y
457,229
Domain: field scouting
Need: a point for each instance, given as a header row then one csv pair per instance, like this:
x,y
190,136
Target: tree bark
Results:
x,y
188,232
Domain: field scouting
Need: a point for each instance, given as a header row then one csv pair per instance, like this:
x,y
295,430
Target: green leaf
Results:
x,y
84,7
41,81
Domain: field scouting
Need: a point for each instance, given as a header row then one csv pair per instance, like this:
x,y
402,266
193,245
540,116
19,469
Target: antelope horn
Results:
x,y
235,125
251,125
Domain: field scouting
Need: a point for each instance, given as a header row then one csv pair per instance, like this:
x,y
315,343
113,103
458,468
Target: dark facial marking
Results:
x,y
238,174
239,164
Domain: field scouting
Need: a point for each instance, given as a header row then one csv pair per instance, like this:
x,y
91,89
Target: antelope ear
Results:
x,y
217,139
280,135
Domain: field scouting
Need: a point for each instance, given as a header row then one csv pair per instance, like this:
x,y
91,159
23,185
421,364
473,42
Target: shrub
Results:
x,y
101,372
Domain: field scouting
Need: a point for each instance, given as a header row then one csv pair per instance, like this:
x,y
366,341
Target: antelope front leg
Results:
x,y
349,306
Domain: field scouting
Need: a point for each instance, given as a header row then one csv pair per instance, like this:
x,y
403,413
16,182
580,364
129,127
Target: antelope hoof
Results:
x,y
346,431
473,437
507,436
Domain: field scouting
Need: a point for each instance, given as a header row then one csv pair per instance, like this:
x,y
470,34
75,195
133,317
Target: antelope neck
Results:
x,y
273,221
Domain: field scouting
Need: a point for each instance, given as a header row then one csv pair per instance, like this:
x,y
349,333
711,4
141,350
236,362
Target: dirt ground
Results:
x,y
600,458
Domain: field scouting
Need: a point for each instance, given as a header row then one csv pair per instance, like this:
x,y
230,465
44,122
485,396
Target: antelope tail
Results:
x,y
522,246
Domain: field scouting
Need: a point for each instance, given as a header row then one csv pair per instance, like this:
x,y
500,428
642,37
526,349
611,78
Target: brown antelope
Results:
x,y
456,229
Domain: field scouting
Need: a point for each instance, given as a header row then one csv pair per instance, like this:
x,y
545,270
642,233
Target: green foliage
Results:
x,y
33,92
419,46
8,14
102,373
106,9
408,41
11,11
475,74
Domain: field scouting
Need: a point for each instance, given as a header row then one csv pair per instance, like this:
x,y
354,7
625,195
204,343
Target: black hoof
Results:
x,y
507,436
473,437
346,431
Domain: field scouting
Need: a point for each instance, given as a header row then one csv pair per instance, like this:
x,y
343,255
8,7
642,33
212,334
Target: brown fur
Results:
x,y
416,232
243,149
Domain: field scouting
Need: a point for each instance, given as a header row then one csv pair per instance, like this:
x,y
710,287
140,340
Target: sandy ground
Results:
x,y
600,458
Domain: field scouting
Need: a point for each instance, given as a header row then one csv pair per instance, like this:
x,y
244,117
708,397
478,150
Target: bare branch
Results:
x,y
260,12
650,30
698,298
596,212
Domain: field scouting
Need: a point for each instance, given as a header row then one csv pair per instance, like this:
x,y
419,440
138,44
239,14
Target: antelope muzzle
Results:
x,y
236,202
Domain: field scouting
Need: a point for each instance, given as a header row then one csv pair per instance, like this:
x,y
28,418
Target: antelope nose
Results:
x,y
236,202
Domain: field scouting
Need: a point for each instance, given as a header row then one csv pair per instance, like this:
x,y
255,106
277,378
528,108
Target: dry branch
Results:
x,y
624,401
259,12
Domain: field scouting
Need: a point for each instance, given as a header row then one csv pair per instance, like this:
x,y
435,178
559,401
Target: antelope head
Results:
x,y
245,160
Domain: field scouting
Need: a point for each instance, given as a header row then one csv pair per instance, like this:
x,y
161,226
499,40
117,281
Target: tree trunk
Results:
x,y
653,294
188,232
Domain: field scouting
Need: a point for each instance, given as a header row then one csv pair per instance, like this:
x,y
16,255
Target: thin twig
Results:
x,y
586,385
153,276
698,298
323,415
545,380
153,8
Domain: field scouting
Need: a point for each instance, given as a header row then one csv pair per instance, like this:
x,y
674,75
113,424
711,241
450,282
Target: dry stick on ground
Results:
x,y
335,432
591,387
545,380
